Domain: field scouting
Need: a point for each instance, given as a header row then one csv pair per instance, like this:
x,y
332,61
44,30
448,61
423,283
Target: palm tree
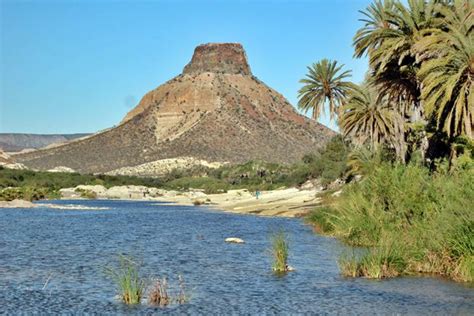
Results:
x,y
387,37
448,74
324,82
370,119
377,27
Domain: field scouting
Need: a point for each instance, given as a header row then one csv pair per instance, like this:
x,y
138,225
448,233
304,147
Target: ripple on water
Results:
x,y
52,261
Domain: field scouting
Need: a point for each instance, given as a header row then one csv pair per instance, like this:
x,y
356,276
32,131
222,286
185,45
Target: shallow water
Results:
x,y
52,261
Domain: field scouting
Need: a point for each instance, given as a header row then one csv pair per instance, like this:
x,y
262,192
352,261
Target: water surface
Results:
x,y
52,261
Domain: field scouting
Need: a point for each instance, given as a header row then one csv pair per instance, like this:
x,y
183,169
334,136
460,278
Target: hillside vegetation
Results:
x,y
328,164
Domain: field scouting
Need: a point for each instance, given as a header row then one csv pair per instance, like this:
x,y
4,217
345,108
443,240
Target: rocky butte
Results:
x,y
216,111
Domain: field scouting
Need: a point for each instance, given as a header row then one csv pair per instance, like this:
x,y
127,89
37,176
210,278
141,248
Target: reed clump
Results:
x,y
130,284
410,219
279,250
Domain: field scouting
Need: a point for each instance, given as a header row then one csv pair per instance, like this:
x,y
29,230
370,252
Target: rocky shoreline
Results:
x,y
288,202
285,202
27,204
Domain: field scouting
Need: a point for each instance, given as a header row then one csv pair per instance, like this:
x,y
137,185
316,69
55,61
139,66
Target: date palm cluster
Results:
x,y
421,73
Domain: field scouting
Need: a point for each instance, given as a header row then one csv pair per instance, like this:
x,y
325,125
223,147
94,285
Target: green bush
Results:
x,y
330,162
87,194
27,193
209,185
58,180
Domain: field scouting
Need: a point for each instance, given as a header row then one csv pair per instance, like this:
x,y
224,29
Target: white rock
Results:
x,y
16,166
234,240
62,169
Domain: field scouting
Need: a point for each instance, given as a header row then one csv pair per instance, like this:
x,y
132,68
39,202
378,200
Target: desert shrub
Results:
x,y
208,184
198,202
87,194
58,180
330,162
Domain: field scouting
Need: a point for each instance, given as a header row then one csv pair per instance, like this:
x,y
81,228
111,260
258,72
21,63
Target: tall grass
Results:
x,y
130,284
279,250
413,221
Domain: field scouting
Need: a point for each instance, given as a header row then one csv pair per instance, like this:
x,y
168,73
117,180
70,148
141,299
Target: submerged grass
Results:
x,y
411,220
160,294
131,285
280,248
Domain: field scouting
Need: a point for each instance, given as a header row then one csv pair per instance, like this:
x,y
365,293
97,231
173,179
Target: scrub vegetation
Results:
x,y
328,164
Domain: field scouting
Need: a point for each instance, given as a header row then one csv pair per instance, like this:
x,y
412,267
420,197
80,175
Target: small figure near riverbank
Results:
x,y
257,194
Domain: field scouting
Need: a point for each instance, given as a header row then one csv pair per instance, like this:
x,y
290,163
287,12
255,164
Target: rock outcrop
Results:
x,y
216,111
227,58
5,158
163,167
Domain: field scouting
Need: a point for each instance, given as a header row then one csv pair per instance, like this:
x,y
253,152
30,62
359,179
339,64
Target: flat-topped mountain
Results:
x,y
216,110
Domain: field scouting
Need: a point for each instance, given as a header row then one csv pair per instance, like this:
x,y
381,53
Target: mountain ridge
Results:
x,y
15,142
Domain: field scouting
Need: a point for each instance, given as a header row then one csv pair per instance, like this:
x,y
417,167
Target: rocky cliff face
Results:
x,y
215,111
229,58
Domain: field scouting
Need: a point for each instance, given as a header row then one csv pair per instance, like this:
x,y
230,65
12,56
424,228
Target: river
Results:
x,y
53,261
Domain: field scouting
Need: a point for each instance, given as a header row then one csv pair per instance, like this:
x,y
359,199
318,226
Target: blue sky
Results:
x,y
79,66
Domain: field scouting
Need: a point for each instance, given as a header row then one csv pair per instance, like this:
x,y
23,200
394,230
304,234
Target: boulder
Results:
x,y
16,204
69,193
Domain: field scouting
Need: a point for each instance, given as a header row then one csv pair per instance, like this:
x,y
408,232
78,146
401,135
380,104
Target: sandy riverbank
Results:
x,y
290,202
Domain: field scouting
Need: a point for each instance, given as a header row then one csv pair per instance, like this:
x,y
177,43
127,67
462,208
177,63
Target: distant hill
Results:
x,y
14,142
216,110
